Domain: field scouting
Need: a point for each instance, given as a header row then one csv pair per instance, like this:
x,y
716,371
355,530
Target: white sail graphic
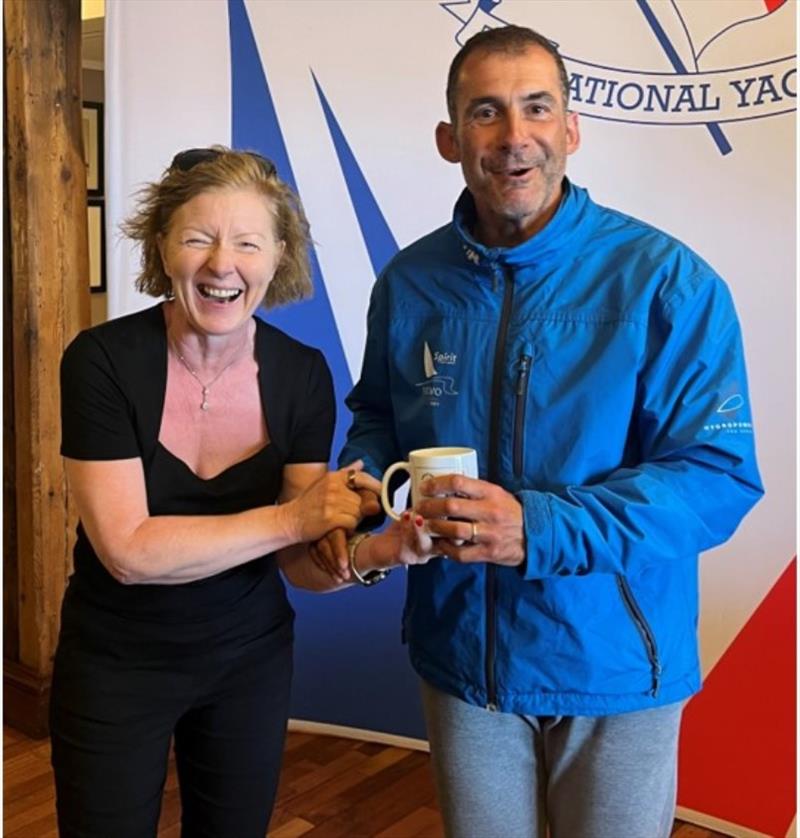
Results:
x,y
430,369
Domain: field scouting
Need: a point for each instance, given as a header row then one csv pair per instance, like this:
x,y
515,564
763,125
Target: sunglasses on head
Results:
x,y
184,161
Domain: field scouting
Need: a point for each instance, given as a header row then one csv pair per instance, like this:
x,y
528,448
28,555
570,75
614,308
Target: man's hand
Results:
x,y
370,500
486,523
329,554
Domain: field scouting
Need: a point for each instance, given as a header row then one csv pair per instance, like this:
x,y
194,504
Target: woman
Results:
x,y
196,439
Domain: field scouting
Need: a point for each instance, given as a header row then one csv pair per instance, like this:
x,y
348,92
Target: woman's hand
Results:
x,y
403,542
329,553
325,505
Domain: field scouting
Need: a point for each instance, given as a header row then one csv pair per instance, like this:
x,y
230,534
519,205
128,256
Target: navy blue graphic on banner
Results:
x,y
716,132
350,667
378,238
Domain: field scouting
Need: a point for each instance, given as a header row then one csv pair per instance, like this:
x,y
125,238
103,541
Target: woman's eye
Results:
x,y
248,246
196,242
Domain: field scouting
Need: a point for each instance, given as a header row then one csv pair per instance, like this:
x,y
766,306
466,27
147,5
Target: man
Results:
x,y
596,367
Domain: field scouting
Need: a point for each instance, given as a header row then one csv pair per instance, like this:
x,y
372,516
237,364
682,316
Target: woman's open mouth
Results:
x,y
219,295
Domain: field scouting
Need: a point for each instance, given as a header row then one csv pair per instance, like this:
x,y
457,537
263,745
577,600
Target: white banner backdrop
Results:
x,y
688,121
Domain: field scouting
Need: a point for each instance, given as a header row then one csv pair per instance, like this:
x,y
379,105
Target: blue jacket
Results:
x,y
598,371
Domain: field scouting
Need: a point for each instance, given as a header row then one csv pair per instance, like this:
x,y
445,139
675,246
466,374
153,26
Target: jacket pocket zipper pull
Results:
x,y
524,370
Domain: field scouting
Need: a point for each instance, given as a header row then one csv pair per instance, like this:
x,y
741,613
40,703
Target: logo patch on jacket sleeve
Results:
x,y
727,422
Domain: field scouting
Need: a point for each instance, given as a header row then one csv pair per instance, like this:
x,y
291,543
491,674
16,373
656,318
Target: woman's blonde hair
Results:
x,y
195,171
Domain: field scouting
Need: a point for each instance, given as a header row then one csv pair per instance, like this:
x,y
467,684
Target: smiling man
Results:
x,y
593,360
511,132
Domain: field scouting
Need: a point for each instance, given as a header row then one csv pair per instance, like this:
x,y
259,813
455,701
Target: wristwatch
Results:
x,y
366,579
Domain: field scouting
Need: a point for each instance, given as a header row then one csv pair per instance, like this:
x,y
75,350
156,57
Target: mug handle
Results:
x,y
387,507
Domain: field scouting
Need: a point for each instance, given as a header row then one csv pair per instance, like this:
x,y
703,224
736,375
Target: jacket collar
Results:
x,y
548,243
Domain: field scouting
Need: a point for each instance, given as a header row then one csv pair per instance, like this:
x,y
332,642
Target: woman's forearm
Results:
x,y
173,549
139,548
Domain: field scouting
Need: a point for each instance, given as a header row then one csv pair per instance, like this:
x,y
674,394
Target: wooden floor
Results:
x,y
330,788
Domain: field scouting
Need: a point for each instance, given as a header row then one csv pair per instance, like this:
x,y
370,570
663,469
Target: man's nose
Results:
x,y
221,260
514,130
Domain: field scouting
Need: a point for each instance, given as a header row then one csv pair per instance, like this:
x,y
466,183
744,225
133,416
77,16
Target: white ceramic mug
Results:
x,y
429,462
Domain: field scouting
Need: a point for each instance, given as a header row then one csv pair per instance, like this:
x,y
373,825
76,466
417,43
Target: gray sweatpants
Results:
x,y
500,775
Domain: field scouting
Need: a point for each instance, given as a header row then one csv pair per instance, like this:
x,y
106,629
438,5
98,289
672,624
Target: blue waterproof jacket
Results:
x,y
598,371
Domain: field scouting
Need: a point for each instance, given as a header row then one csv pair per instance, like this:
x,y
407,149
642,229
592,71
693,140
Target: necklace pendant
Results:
x,y
204,405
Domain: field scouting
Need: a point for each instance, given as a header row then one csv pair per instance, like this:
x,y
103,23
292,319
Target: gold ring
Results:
x,y
351,480
474,536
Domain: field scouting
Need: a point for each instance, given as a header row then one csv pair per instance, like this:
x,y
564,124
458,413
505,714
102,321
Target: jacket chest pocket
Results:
x,y
521,382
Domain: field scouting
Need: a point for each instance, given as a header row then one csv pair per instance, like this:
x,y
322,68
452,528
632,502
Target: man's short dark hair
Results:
x,y
511,39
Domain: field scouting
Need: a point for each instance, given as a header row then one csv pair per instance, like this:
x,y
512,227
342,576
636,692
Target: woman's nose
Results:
x,y
220,260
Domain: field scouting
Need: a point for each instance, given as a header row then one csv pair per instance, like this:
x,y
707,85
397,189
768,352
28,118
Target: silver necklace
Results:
x,y
204,405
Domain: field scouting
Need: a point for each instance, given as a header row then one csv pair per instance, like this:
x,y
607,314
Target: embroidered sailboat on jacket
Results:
x,y
427,360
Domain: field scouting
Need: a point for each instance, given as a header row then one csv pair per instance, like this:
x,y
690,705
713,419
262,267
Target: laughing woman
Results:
x,y
196,440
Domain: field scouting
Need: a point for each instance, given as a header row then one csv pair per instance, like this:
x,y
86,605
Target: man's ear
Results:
x,y
573,133
446,142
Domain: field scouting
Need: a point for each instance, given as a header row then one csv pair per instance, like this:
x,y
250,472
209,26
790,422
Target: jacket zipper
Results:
x,y
494,475
523,377
644,630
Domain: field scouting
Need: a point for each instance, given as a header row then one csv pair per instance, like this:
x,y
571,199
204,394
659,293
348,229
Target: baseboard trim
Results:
x,y
26,699
717,824
377,736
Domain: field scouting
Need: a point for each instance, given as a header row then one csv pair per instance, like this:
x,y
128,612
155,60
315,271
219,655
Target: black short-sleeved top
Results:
x,y
113,383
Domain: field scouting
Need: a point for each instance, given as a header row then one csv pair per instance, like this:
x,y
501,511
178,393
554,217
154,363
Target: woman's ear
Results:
x,y
161,244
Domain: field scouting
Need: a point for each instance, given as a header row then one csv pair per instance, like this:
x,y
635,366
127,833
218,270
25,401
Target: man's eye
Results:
x,y
484,113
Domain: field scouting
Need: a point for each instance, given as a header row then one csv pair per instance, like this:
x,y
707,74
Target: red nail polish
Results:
x,y
406,516
418,521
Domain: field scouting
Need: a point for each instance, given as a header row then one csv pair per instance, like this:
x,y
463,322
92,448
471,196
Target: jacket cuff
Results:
x,y
372,522
347,456
537,526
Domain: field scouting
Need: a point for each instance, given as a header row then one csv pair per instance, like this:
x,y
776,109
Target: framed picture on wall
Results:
x,y
97,246
93,146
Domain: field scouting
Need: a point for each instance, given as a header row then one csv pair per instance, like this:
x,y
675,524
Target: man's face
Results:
x,y
511,135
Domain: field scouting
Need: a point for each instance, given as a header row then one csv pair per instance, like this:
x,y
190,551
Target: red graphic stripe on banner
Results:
x,y
773,4
737,750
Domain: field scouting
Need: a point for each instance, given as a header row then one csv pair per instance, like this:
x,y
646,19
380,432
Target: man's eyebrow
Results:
x,y
540,96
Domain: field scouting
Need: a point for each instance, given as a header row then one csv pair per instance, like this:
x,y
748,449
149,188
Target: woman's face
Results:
x,y
221,253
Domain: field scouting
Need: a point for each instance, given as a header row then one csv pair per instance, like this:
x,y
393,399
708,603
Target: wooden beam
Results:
x,y
49,298
10,574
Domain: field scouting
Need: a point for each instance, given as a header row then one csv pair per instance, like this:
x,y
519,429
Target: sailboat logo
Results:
x,y
427,360
435,384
